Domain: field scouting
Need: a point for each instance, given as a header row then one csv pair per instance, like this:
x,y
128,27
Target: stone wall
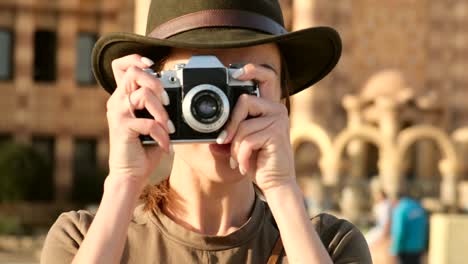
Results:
x,y
424,40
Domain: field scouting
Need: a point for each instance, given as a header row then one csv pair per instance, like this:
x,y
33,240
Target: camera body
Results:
x,y
202,95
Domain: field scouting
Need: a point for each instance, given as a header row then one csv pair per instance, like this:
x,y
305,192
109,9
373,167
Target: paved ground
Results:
x,y
20,250
16,258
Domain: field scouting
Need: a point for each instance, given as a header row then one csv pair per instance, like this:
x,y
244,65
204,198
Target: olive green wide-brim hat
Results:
x,y
309,54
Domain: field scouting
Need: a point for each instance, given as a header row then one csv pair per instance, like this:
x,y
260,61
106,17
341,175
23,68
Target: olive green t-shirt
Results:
x,y
155,238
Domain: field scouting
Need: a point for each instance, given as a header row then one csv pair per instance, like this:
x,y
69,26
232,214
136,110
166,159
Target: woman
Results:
x,y
207,210
382,210
378,237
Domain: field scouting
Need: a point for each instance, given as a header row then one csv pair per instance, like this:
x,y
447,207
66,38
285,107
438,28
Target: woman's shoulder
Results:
x,y
77,223
342,239
80,219
67,233
72,224
325,223
65,236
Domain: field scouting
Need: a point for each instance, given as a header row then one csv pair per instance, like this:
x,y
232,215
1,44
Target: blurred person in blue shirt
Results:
x,y
409,230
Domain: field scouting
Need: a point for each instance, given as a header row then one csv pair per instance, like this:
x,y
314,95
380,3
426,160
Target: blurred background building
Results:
x,y
50,103
396,98
393,108
49,97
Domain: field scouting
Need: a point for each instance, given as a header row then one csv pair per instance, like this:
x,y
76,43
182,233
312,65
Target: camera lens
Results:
x,y
206,106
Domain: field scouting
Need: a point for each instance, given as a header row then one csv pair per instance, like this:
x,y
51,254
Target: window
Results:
x,y
6,54
45,44
87,179
84,48
43,189
5,138
45,146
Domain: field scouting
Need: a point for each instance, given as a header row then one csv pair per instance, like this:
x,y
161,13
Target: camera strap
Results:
x,y
276,252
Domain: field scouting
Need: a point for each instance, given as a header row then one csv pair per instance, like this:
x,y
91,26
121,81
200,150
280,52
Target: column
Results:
x,y
356,148
66,61
63,169
389,170
389,162
330,170
141,15
24,63
388,122
448,186
303,16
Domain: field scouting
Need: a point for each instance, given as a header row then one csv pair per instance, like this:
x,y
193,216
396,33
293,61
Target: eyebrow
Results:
x,y
269,66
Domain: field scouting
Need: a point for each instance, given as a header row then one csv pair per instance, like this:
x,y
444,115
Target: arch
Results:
x,y
409,136
448,165
307,157
365,132
312,133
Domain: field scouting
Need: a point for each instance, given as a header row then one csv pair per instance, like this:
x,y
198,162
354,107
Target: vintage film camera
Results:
x,y
202,95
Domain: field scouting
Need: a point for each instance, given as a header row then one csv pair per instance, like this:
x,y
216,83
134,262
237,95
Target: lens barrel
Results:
x,y
205,108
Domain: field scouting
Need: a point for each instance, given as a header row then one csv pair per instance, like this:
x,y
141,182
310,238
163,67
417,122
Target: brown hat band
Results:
x,y
217,18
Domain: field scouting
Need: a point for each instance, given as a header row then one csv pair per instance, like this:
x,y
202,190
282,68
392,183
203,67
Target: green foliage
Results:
x,y
24,174
9,225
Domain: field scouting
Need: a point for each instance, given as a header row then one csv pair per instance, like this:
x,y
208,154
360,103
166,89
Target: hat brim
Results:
x,y
310,54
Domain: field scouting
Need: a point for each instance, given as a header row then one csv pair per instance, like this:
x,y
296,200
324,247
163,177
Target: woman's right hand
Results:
x,y
137,89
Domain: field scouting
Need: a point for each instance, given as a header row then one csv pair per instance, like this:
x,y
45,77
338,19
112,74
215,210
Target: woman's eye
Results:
x,y
269,66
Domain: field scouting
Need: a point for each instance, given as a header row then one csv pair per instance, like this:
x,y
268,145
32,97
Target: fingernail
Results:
x,y
171,127
237,73
147,62
233,163
165,98
242,170
222,137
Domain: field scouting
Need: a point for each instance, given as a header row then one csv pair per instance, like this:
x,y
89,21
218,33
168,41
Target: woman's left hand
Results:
x,y
261,144
262,147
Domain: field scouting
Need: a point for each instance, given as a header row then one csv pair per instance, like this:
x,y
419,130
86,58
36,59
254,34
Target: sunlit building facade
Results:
x,y
415,50
49,97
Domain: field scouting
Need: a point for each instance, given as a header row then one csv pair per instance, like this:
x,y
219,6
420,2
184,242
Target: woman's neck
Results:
x,y
205,206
